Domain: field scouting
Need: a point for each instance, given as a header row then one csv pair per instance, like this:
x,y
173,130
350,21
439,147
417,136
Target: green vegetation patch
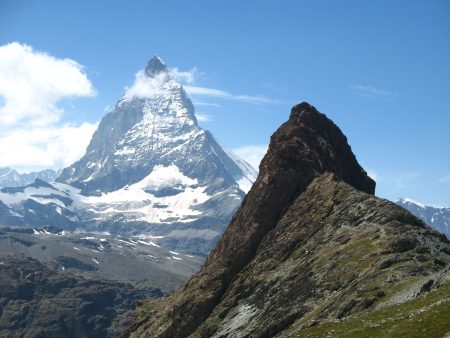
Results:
x,y
426,316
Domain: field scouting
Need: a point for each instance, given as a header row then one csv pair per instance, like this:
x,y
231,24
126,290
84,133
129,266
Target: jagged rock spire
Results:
x,y
155,66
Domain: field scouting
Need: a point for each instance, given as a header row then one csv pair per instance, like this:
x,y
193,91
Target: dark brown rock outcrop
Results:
x,y
304,245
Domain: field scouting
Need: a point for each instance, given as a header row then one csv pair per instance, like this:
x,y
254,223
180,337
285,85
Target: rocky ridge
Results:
x,y
11,178
310,244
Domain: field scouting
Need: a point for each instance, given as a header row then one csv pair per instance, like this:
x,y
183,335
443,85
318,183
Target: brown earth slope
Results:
x,y
309,244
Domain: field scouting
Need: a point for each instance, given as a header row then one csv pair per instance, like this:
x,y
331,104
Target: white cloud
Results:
x,y
145,86
44,147
369,91
188,76
222,94
149,87
203,117
32,83
252,154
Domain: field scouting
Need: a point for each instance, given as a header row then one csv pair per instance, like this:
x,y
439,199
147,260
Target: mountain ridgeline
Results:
x,y
310,250
148,170
11,178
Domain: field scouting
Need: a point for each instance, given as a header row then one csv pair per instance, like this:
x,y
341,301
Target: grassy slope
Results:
x,y
426,316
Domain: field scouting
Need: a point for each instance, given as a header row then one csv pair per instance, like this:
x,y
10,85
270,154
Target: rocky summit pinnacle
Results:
x,y
155,66
309,245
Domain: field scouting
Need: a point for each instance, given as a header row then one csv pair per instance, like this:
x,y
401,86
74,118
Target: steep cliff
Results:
x,y
310,244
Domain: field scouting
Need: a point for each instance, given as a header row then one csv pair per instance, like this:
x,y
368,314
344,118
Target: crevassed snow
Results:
x,y
126,242
136,200
148,243
162,177
12,199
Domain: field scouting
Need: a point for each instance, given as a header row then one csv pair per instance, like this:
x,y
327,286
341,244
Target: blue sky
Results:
x,y
379,69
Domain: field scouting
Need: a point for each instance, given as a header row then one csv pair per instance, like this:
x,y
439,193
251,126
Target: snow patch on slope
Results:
x,y
164,177
139,201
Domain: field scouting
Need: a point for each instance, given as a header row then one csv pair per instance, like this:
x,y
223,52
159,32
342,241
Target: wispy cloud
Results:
x,y
222,94
206,104
203,117
32,85
147,87
372,92
185,76
252,154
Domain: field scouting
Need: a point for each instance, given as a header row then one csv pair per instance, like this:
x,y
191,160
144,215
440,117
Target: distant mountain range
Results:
x,y
11,178
438,218
149,169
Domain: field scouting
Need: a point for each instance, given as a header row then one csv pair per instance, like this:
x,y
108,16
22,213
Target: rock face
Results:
x,y
39,302
438,218
11,178
149,169
152,129
309,244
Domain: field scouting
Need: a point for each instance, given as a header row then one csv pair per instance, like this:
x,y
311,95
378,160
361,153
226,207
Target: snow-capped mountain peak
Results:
x,y
149,169
436,217
402,200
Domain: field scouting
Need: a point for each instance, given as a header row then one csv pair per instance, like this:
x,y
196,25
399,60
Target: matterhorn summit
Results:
x,y
150,170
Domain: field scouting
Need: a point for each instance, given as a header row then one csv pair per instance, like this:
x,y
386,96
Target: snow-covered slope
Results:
x,y
149,169
438,218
